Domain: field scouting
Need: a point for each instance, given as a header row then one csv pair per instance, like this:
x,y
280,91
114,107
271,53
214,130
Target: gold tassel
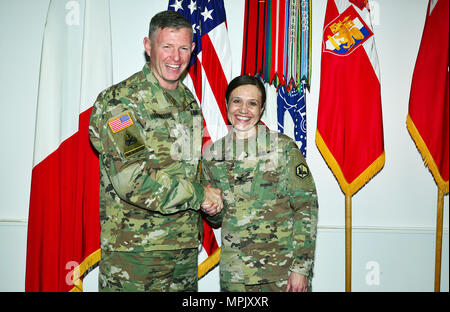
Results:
x,y
426,155
360,181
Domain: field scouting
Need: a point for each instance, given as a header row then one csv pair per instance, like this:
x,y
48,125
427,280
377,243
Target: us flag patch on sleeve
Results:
x,y
120,123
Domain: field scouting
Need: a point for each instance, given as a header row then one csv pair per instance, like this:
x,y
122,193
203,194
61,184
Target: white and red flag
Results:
x,y
63,224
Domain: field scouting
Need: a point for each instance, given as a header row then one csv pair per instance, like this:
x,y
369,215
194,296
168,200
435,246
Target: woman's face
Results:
x,y
245,109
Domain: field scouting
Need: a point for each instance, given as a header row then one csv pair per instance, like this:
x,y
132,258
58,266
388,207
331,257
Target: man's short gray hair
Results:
x,y
168,19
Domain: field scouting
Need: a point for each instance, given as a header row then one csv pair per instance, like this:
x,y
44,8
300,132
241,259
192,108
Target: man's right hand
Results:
x,y
213,203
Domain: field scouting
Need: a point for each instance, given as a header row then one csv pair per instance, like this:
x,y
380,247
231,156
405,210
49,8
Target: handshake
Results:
x,y
213,203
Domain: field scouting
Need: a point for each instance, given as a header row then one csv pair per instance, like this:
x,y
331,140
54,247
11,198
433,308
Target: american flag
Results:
x,y
210,67
120,123
209,74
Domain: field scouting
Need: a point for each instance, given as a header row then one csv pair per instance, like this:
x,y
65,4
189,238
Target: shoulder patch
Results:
x,y
120,123
302,171
133,146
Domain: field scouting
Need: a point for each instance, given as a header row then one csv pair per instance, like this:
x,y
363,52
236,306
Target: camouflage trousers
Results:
x,y
241,287
279,286
155,271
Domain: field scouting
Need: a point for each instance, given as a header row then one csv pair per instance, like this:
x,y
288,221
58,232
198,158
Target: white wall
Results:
x,y
21,27
394,215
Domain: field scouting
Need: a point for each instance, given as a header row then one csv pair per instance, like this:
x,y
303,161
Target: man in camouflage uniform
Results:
x,y
270,216
148,132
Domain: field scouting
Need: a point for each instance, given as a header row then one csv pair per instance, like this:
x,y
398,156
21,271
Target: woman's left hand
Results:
x,y
297,283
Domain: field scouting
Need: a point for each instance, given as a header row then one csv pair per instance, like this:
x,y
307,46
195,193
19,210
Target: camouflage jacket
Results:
x,y
149,148
270,216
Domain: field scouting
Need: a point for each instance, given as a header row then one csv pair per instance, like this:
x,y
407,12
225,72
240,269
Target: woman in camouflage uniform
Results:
x,y
270,216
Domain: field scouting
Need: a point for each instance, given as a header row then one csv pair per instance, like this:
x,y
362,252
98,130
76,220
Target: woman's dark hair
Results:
x,y
246,80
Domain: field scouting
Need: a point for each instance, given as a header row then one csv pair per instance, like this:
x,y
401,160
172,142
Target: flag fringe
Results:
x,y
426,155
209,263
80,270
348,188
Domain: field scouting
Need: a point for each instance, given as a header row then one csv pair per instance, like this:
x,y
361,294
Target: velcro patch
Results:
x,y
133,146
302,171
120,123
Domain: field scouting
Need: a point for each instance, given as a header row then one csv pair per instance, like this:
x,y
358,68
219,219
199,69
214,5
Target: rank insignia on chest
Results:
x,y
302,171
120,123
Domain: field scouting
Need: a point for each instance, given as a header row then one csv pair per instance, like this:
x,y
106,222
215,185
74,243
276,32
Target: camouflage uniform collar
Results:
x,y
264,138
261,129
151,78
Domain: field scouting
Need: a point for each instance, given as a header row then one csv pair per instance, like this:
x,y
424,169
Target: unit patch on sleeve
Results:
x,y
302,171
133,145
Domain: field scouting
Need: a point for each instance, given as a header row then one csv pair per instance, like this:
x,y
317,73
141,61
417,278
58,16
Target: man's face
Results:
x,y
170,53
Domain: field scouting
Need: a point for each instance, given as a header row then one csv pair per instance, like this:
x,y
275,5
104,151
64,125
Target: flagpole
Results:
x,y
439,220
348,243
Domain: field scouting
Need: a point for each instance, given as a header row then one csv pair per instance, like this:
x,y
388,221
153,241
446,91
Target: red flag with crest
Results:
x,y
349,124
